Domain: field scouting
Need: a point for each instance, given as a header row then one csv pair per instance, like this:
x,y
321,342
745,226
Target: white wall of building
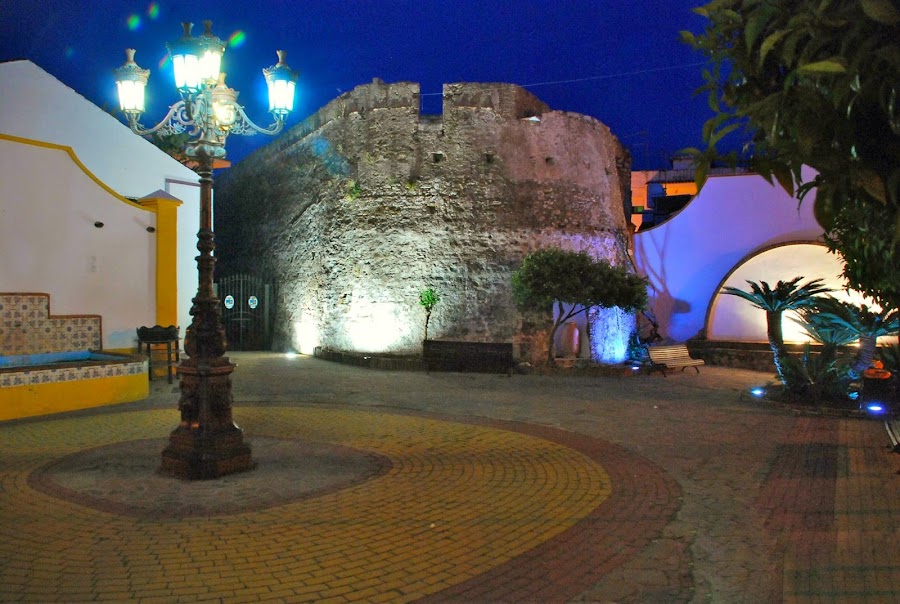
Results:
x,y
687,257
50,244
36,105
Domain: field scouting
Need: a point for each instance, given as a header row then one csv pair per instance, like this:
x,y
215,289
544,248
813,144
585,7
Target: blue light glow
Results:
x,y
615,325
875,408
853,396
757,392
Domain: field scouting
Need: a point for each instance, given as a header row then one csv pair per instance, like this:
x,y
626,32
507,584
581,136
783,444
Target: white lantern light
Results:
x,y
130,82
281,81
224,104
185,54
211,51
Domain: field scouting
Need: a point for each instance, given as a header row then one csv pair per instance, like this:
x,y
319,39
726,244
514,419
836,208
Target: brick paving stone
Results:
x,y
529,488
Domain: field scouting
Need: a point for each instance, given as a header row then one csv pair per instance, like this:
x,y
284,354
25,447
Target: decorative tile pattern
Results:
x,y
26,327
86,370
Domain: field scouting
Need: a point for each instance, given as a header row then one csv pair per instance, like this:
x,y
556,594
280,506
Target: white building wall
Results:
x,y
49,243
687,257
35,105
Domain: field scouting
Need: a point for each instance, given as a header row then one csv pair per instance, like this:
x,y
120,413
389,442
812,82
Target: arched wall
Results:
x,y
686,257
735,319
44,109
49,204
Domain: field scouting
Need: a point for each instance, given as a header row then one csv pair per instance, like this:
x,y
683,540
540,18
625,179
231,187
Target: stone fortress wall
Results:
x,y
367,202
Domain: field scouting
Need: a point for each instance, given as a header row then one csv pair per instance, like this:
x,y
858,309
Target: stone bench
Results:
x,y
53,363
663,358
485,357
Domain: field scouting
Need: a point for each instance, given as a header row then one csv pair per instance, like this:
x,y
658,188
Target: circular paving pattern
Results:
x,y
427,508
122,478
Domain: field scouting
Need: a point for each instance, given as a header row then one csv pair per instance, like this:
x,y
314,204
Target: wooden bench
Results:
x,y
486,357
663,358
893,429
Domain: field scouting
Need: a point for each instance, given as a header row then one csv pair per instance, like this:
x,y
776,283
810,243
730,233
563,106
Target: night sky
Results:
x,y
619,61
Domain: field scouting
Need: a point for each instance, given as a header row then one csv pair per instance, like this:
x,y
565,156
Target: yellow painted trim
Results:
x,y
126,351
74,157
166,258
56,397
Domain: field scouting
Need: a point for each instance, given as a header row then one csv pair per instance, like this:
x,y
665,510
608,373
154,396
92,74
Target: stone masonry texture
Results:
x,y
367,202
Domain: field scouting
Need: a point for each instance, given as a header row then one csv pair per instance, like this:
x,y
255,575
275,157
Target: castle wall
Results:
x,y
366,203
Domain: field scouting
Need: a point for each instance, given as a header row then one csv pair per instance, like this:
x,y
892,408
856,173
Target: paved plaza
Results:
x,y
384,486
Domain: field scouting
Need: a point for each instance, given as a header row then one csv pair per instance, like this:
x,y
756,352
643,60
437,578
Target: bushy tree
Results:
x,y
558,277
815,82
172,144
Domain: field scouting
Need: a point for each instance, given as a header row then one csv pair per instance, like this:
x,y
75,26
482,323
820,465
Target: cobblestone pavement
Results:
x,y
401,486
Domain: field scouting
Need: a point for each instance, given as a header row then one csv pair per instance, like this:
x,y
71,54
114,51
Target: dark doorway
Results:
x,y
246,302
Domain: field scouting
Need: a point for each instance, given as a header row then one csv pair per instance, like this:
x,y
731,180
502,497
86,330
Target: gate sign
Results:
x,y
229,301
252,302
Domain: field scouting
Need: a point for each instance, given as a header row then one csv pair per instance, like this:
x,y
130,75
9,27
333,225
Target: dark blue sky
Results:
x,y
619,61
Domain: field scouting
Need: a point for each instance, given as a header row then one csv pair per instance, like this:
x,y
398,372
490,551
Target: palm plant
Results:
x,y
866,324
817,378
820,377
786,295
822,330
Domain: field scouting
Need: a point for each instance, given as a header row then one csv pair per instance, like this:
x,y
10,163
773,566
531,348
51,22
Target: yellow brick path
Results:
x,y
458,501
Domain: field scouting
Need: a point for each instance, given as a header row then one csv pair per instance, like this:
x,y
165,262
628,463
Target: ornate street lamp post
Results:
x,y
206,443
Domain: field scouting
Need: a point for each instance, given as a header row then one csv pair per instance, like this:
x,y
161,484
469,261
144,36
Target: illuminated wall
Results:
x,y
368,202
686,257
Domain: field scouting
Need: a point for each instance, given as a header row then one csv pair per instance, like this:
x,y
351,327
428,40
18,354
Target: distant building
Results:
x,y
657,195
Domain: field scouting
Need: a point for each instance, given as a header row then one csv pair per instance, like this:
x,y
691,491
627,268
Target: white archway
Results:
x,y
734,319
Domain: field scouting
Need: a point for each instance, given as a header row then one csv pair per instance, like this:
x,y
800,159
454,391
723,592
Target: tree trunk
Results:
x,y
427,318
551,347
868,345
776,341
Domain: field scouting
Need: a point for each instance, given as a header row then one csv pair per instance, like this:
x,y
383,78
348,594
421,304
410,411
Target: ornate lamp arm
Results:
x,y
177,120
245,126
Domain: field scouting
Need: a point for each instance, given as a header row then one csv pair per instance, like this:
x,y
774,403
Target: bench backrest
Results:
x,y
441,347
667,353
27,327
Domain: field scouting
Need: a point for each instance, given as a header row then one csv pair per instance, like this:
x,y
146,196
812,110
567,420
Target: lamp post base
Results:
x,y
206,444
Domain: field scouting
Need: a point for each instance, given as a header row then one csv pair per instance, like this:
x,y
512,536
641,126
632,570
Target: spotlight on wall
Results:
x,y
151,230
98,224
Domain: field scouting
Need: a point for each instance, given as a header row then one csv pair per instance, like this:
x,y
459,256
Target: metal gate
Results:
x,y
246,311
